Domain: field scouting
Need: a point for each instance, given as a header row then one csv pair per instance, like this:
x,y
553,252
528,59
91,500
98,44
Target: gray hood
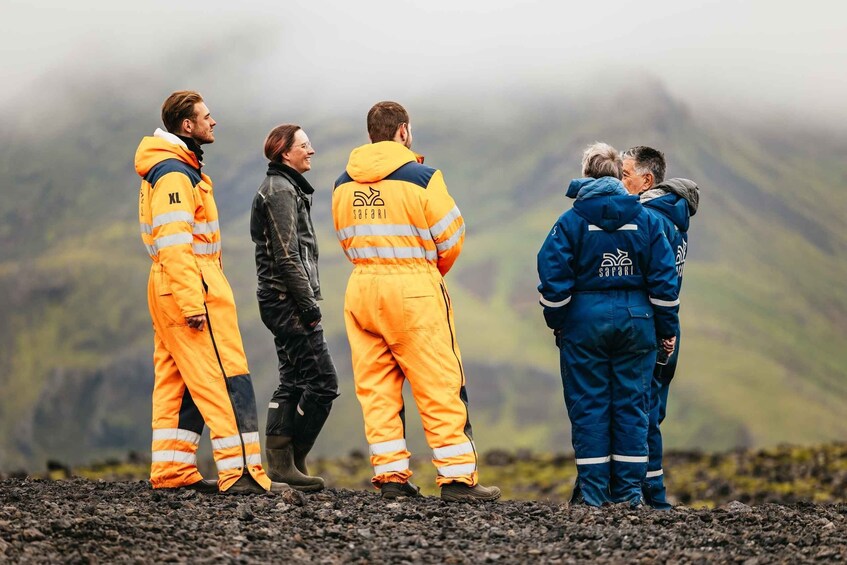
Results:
x,y
683,188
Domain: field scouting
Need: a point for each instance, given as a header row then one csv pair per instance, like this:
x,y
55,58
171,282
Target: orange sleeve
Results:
x,y
445,222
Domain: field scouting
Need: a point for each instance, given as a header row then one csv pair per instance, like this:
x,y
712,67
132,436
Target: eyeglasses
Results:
x,y
307,145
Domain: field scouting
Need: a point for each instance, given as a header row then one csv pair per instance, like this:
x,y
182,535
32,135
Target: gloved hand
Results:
x,y
311,317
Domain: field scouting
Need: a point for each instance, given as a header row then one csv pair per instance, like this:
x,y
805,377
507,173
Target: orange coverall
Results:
x,y
402,231
200,375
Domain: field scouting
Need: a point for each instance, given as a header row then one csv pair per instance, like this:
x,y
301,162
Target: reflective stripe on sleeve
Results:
x,y
551,304
391,253
651,474
394,466
206,248
146,228
170,217
454,239
630,458
448,219
175,433
452,450
206,227
175,239
173,456
401,230
152,250
593,460
387,446
457,470
665,303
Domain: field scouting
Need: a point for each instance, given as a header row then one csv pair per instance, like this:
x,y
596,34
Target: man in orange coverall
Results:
x,y
201,369
402,231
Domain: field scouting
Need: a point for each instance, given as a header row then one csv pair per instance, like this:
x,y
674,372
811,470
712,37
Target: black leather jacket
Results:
x,y
286,246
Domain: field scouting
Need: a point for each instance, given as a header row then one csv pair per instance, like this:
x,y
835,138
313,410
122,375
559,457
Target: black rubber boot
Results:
x,y
459,492
309,420
280,454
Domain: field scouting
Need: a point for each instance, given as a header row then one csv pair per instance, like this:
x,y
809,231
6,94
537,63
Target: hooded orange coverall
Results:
x,y
200,375
402,231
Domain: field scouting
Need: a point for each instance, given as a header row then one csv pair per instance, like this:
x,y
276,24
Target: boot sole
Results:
x,y
307,488
467,498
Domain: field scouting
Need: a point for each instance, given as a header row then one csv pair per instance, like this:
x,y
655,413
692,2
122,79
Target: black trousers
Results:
x,y
308,382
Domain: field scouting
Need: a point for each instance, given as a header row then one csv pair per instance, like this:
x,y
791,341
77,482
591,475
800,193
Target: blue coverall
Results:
x,y
609,290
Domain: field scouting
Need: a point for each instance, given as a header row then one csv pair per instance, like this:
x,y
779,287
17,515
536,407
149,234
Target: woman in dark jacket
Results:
x,y
289,290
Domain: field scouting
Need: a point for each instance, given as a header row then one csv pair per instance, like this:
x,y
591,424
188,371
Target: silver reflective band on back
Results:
x,y
551,304
206,248
387,446
170,217
651,474
625,227
230,463
630,458
176,434
452,450
394,466
391,253
593,460
444,222
226,442
665,303
171,456
400,230
454,239
456,470
206,227
175,239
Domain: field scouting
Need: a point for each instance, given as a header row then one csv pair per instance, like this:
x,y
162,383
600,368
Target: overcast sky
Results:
x,y
742,56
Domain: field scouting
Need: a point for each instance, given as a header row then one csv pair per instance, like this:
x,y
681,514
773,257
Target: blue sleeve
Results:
x,y
662,283
555,270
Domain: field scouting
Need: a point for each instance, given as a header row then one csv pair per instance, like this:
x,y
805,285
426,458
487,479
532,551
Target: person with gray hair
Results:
x,y
608,291
672,202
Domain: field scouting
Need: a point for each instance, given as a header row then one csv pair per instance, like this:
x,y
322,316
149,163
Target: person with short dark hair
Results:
x,y
672,202
402,231
608,290
288,292
201,374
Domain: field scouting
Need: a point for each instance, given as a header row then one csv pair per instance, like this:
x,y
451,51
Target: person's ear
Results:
x,y
187,125
650,179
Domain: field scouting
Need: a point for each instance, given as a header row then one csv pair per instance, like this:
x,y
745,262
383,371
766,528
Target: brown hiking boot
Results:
x,y
391,491
248,485
459,492
205,486
281,468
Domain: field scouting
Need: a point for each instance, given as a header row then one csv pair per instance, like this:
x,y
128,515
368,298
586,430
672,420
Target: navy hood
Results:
x,y
677,199
603,202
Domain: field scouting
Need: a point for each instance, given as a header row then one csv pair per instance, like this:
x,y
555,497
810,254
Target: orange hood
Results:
x,y
159,147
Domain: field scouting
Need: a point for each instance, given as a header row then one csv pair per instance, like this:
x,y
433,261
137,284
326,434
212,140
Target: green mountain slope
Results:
x,y
764,304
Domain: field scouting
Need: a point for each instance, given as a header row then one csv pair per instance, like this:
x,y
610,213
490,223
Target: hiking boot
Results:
x,y
248,485
458,492
205,486
391,491
281,468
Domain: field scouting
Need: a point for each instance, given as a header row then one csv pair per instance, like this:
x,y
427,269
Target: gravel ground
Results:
x,y
84,521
